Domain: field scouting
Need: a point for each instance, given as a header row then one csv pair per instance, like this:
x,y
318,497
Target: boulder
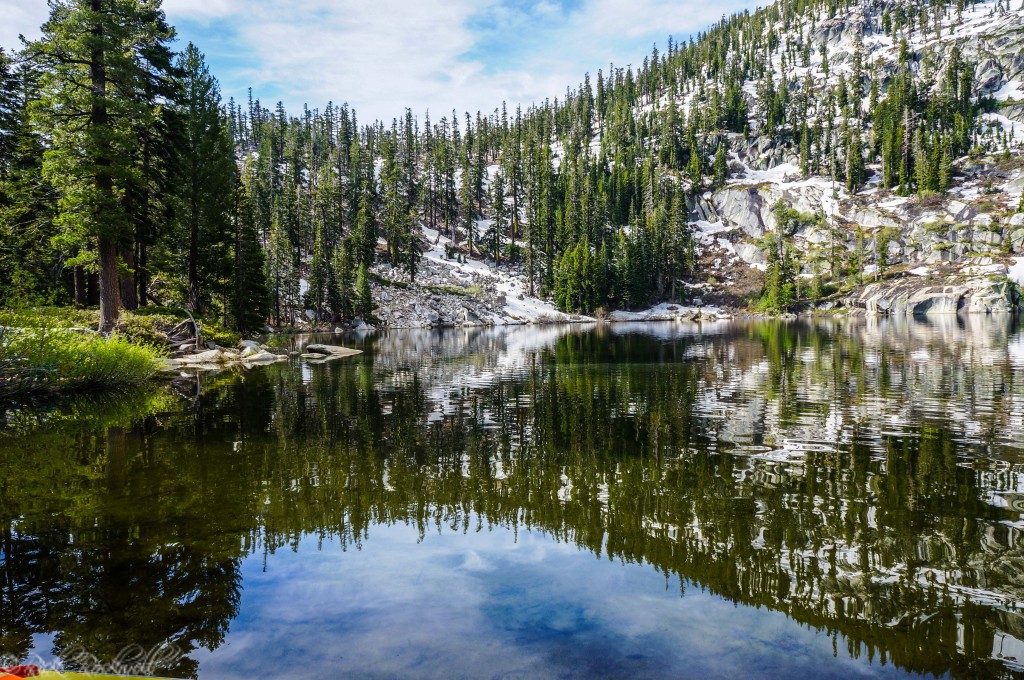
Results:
x,y
743,206
213,356
750,253
330,350
265,358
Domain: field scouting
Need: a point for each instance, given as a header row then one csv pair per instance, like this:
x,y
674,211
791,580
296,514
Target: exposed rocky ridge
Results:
x,y
948,254
987,291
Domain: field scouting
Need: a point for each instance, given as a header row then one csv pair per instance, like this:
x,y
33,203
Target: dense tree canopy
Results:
x,y
125,180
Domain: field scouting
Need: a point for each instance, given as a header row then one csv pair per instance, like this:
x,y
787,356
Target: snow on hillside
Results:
x,y
730,222
975,225
519,306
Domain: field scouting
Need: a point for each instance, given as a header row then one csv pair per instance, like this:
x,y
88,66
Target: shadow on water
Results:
x,y
866,479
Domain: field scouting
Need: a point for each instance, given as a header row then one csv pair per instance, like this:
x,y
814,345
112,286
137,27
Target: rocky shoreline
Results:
x,y
249,354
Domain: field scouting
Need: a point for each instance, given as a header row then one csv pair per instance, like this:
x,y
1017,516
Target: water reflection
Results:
x,y
862,478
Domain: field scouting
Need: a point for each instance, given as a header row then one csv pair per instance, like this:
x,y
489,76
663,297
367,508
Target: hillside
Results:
x,y
813,154
882,243
941,250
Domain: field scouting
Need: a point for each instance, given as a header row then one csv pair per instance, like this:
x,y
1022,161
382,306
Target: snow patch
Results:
x,y
1012,89
1016,271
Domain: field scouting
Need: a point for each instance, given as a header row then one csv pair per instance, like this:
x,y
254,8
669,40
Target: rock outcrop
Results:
x,y
985,293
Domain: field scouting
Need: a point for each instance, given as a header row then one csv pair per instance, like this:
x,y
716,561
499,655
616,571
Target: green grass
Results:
x,y
37,360
55,350
146,325
463,291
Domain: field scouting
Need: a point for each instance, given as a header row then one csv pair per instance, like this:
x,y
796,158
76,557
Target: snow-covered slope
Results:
x,y
948,253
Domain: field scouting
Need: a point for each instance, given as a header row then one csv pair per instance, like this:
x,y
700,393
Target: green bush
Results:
x,y
147,325
36,360
149,329
50,317
220,335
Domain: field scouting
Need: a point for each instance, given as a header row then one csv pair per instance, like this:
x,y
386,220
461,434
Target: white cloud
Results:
x,y
202,9
379,56
384,55
20,17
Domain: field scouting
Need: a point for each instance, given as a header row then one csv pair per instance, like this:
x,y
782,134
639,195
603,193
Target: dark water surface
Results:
x,y
828,499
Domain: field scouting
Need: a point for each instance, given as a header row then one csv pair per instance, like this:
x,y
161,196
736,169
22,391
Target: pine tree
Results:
x,y
250,298
366,227
855,170
207,175
27,253
119,50
319,292
364,295
281,270
695,167
499,222
467,202
882,241
681,243
721,166
945,170
411,250
343,297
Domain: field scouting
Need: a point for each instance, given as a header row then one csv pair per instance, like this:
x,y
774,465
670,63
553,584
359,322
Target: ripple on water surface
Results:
x,y
822,499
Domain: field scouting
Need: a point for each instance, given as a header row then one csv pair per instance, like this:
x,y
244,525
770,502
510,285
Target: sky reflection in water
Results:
x,y
828,499
492,604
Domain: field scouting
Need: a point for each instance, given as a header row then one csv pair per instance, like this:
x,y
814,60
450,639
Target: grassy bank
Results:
x,y
55,350
146,325
34,360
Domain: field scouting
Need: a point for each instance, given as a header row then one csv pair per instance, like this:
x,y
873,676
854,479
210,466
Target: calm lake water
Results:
x,y
826,499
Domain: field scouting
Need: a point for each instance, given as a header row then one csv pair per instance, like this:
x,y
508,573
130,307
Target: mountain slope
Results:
x,y
962,238
815,153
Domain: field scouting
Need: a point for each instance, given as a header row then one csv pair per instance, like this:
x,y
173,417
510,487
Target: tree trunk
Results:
x,y
110,285
109,277
129,298
142,276
81,289
193,260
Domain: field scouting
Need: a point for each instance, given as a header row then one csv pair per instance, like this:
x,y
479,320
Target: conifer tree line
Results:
x,y
126,181
119,185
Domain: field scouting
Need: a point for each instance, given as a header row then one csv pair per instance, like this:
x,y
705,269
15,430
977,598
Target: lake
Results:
x,y
832,498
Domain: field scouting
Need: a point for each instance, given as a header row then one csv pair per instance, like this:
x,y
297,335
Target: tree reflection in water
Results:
x,y
864,478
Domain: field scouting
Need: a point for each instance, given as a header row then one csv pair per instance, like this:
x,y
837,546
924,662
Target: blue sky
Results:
x,y
384,55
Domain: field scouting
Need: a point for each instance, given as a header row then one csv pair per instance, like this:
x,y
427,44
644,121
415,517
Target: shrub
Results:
x,y
146,325
36,360
50,317
220,335
149,329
